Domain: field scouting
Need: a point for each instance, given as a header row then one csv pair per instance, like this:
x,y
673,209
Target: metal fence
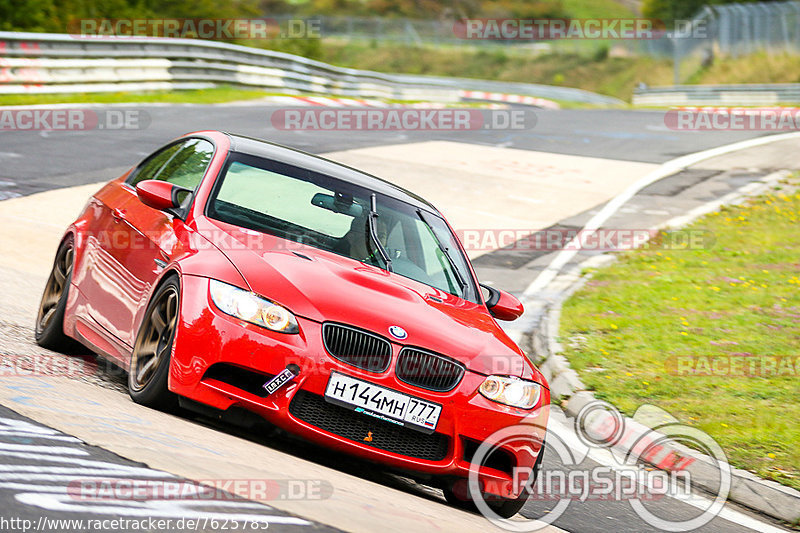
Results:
x,y
733,30
719,95
730,29
720,30
739,29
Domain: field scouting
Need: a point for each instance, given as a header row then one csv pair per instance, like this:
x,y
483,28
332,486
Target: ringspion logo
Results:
x,y
625,476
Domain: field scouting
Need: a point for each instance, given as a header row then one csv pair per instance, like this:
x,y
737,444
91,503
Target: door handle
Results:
x,y
117,214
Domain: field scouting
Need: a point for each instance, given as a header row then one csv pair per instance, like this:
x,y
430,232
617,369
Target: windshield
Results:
x,y
333,215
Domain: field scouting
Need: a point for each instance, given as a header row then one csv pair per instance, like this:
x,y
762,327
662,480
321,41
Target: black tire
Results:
x,y
150,360
49,329
507,508
457,495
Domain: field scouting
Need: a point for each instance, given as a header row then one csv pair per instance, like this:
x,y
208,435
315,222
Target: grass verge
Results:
x,y
598,68
740,298
198,96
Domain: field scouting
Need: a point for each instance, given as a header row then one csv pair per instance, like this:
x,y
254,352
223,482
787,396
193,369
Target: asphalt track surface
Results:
x,y
36,161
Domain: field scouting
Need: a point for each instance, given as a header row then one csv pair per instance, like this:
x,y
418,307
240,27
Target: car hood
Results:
x,y
323,286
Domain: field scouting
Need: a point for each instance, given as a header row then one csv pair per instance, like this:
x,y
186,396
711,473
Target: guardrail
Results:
x,y
55,63
722,95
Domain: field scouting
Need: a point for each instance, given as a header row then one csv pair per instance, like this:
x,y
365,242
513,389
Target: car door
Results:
x,y
103,281
144,239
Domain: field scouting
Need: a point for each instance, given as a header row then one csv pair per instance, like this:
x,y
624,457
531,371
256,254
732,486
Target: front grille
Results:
x,y
241,378
346,423
357,347
428,370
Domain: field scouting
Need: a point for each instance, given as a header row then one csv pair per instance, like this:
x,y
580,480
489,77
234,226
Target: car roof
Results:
x,y
315,163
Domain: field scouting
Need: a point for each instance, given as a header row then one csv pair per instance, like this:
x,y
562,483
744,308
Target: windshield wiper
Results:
x,y
373,232
459,278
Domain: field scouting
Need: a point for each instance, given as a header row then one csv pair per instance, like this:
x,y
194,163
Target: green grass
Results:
x,y
613,76
592,71
740,296
204,96
756,68
604,9
199,96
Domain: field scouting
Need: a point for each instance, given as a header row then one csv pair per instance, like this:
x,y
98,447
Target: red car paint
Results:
x,y
124,248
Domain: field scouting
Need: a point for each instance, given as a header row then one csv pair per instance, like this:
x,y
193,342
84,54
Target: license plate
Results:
x,y
382,403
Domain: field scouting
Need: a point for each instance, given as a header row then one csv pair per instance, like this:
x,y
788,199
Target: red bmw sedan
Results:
x,y
229,272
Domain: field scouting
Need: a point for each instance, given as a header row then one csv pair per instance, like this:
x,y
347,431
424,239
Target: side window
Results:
x,y
153,164
188,165
181,164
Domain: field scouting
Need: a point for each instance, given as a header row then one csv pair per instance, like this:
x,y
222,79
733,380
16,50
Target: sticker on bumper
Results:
x,y
284,377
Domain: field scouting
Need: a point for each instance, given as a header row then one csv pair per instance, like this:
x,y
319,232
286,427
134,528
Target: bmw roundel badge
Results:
x,y
398,332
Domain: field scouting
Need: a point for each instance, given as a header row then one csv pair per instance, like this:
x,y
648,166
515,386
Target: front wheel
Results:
x,y
49,331
149,370
458,495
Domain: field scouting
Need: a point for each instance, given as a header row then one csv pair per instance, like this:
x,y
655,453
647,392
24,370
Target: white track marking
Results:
x,y
670,167
29,435
58,450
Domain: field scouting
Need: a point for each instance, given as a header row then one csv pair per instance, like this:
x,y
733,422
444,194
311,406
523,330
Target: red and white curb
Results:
x,y
509,98
330,101
327,101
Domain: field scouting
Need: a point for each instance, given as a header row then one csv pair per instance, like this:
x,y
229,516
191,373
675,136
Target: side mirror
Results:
x,y
503,305
158,194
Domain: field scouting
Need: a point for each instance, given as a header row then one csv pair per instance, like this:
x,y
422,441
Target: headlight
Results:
x,y
511,391
247,306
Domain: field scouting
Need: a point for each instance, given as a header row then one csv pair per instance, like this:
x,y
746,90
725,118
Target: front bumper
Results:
x,y
221,361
